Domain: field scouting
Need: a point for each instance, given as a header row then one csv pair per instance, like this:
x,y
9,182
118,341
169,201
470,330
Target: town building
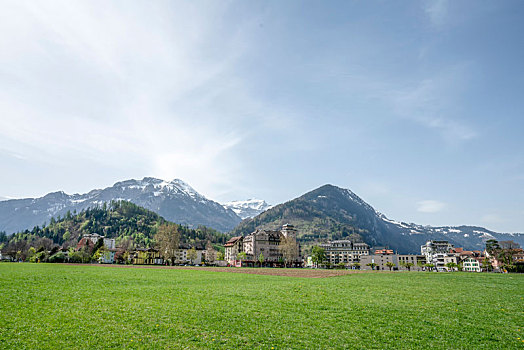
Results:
x,y
232,248
151,256
380,261
418,262
91,239
400,262
435,247
146,256
265,247
344,251
439,253
471,264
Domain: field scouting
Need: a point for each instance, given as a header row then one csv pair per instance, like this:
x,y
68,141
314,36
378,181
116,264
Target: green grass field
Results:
x,y
46,306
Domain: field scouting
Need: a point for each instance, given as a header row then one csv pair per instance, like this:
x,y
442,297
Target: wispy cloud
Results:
x,y
119,85
437,11
430,103
430,206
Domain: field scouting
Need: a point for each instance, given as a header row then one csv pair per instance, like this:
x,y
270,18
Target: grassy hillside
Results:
x,y
49,306
319,215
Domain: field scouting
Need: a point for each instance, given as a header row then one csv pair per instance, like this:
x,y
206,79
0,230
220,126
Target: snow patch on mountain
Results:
x,y
174,200
247,208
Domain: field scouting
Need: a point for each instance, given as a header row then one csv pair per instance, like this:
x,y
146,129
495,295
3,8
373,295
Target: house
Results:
x,y
91,239
344,251
182,255
107,256
146,256
232,248
470,264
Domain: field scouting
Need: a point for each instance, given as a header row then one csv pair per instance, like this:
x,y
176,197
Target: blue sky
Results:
x,y
415,106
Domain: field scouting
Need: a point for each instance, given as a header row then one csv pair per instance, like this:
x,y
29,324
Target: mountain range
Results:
x,y
175,200
330,213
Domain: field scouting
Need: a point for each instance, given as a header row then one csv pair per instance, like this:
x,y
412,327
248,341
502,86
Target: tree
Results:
x,y
31,253
220,256
318,255
211,254
390,265
356,265
429,267
451,266
372,265
509,245
407,265
241,256
192,254
492,245
167,240
261,259
486,264
289,249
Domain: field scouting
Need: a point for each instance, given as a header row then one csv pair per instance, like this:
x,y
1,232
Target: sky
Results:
x,y
416,106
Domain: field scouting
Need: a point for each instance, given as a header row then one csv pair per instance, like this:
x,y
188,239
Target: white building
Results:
x,y
109,243
471,264
438,253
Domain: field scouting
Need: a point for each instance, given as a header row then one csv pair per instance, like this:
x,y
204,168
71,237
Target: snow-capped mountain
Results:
x,y
174,200
248,208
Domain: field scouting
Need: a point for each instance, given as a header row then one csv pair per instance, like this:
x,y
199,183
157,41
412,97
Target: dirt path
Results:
x,y
306,273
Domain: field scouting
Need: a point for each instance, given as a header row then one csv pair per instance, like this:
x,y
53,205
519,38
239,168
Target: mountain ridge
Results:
x,y
331,212
174,200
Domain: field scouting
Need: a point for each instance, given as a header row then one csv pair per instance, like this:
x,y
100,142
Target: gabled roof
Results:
x,y
232,241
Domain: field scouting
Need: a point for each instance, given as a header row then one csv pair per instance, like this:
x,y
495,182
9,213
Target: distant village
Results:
x,y
280,248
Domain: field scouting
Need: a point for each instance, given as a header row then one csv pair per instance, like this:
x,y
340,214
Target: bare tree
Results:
x,y
192,254
289,249
167,240
211,254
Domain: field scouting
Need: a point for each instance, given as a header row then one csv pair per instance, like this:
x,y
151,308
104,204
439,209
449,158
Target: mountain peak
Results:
x,y
248,208
175,200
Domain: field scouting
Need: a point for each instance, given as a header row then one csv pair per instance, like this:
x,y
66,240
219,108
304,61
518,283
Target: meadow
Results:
x,y
48,306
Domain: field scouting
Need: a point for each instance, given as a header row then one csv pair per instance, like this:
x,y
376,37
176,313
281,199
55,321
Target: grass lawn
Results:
x,y
46,306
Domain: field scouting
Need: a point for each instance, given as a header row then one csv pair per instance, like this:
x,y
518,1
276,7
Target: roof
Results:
x,y
232,241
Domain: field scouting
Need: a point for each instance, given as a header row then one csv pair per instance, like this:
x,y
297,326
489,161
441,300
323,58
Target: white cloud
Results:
x,y
430,206
115,84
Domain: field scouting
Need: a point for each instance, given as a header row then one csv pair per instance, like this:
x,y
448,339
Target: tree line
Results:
x,y
129,224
